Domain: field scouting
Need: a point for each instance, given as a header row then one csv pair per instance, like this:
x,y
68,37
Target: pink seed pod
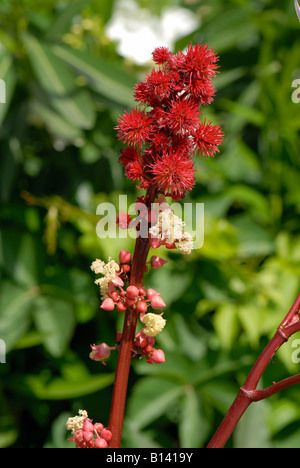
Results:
x,y
124,256
157,302
132,292
100,443
157,262
158,356
108,304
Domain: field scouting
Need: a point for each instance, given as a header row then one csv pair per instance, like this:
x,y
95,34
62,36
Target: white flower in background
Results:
x,y
138,32
297,8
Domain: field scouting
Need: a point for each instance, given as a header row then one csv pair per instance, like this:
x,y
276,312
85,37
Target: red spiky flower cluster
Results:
x,y
162,140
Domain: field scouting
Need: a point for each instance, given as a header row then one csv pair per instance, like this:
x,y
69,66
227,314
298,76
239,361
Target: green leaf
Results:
x,y
226,324
73,103
18,256
63,20
192,426
150,399
63,389
15,304
7,74
253,239
54,319
252,431
56,124
104,77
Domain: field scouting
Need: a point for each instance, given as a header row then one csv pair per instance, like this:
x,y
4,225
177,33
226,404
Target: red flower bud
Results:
x,y
151,293
117,281
171,246
87,436
108,304
125,256
100,352
157,302
100,443
157,262
115,296
88,425
158,356
132,292
141,307
121,307
155,243
98,427
106,434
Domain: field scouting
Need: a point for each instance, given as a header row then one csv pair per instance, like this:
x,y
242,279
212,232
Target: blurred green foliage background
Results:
x,y
66,84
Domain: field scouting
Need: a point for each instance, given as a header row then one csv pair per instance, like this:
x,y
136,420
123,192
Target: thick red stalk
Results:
x,y
115,425
248,392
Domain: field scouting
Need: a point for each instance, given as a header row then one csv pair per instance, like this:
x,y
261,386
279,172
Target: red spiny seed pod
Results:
x,y
162,140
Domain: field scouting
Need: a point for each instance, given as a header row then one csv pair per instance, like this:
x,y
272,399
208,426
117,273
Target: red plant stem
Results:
x,y
116,418
248,392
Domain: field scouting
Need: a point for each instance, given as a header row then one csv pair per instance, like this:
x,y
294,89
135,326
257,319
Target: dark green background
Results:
x,y
59,160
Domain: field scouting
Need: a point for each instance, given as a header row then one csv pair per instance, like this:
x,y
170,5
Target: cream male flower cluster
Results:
x,y
169,231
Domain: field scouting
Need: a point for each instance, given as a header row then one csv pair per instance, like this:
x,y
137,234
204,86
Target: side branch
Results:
x,y
248,392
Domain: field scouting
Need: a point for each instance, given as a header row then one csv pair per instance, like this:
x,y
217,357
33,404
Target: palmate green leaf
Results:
x,y
18,257
72,102
252,430
193,426
54,319
253,239
104,77
61,388
15,304
63,20
150,399
56,124
225,322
